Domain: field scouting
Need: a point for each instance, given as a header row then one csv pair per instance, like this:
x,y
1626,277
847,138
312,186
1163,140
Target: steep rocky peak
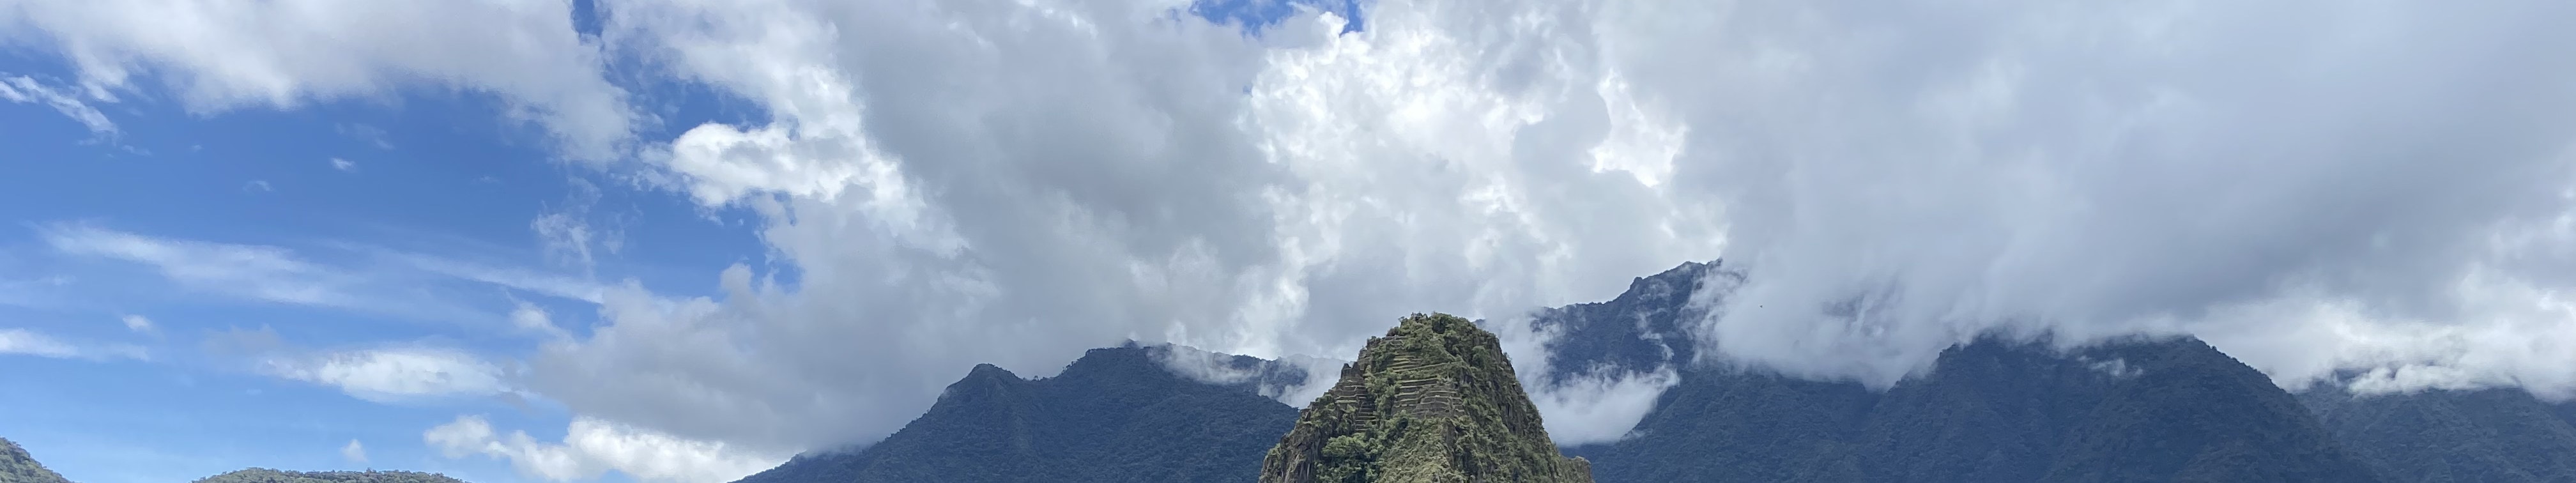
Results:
x,y
1434,400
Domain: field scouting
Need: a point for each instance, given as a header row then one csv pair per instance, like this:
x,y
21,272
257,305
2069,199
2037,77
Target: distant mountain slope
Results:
x,y
1990,411
16,466
1116,415
1434,401
2493,435
265,475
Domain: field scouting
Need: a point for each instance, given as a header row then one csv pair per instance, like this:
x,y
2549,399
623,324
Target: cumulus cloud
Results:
x,y
393,373
2376,194
1898,182
224,55
591,447
354,453
1013,183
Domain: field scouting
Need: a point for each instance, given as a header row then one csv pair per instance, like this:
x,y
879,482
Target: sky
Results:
x,y
681,240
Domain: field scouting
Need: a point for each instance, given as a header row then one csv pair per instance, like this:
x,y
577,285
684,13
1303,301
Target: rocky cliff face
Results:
x,y
1434,400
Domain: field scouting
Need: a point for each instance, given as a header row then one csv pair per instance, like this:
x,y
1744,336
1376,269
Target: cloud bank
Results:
x,y
2376,194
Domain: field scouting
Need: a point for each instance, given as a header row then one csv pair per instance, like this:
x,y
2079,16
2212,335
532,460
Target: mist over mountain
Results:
x,y
1995,409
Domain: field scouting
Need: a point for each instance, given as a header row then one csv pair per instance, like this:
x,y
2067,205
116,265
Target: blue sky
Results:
x,y
389,222
523,241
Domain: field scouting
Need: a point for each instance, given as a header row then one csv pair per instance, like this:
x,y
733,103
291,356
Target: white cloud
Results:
x,y
23,89
258,185
357,278
591,447
139,324
259,272
354,453
226,55
531,318
1598,406
32,343
394,373
1013,182
345,166
1108,176
26,342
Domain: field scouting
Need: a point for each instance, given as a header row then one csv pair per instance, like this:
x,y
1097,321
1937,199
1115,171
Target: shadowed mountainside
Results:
x,y
1116,415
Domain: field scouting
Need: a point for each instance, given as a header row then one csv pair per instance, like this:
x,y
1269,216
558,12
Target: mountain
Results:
x,y
1435,400
265,475
1989,411
1115,415
16,466
2490,435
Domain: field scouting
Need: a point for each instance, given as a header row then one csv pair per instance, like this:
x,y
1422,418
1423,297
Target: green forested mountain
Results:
x,y
1433,401
16,466
2492,435
265,475
1116,415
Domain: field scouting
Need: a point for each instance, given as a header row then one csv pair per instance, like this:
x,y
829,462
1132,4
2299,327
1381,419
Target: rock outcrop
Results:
x,y
1435,400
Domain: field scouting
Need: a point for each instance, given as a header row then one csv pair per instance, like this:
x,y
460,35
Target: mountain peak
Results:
x,y
1433,400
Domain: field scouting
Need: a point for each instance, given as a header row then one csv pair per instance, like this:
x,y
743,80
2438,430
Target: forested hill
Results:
x,y
1116,415
16,466
265,475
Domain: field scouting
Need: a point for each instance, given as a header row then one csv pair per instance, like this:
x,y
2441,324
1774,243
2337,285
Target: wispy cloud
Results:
x,y
266,273
354,277
32,343
24,90
344,165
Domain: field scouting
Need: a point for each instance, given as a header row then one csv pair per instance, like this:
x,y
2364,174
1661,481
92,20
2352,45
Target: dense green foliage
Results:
x,y
16,466
1435,400
2493,435
265,475
1116,415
